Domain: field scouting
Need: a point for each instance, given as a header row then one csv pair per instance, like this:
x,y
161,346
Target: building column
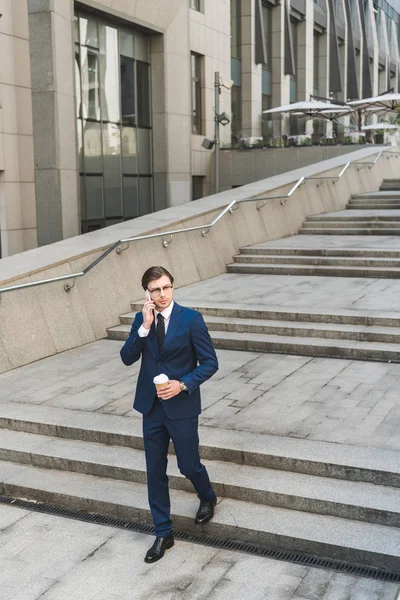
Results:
x,y
280,81
17,188
251,73
305,63
174,112
54,119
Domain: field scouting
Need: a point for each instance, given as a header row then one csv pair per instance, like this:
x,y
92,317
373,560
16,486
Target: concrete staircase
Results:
x,y
345,334
341,335
319,498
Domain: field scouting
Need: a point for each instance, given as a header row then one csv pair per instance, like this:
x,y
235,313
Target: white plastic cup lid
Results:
x,y
160,379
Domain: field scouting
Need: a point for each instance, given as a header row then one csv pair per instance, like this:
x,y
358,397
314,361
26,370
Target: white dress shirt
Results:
x,y
166,313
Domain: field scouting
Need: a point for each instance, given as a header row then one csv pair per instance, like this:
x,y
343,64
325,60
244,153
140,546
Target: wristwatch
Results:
x,y
183,387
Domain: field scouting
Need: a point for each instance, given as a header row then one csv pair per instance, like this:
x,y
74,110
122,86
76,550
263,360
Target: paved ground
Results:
x,y
335,400
343,401
50,558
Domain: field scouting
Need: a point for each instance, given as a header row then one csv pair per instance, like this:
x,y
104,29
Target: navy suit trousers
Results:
x,y
158,430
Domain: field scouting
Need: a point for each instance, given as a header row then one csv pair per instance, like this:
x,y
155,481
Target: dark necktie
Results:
x,y
160,332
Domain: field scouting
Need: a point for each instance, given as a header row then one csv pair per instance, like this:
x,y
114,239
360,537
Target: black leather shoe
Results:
x,y
161,544
205,512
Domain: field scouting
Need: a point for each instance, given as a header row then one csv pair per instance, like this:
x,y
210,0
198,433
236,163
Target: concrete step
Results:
x,y
348,218
286,344
311,457
321,535
306,346
373,206
386,195
360,333
390,185
351,224
321,495
344,231
357,333
301,259
349,317
314,270
374,253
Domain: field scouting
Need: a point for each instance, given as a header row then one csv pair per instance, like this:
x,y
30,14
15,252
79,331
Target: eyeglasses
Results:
x,y
158,291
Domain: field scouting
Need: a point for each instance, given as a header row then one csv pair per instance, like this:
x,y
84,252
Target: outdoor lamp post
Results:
x,y
219,119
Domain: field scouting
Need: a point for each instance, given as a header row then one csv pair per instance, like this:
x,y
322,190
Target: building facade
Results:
x,y
104,104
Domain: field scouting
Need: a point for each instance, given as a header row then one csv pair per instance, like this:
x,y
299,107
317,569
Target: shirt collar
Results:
x,y
166,313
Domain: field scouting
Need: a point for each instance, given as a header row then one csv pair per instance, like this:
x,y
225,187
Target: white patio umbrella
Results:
x,y
331,114
306,108
388,101
375,126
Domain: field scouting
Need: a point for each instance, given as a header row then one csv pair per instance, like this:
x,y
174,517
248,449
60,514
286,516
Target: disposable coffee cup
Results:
x,y
160,381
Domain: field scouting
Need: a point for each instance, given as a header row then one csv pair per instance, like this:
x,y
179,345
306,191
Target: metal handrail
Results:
x,y
204,228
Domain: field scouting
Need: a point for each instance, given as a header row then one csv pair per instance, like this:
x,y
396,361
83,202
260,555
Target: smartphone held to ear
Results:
x,y
148,297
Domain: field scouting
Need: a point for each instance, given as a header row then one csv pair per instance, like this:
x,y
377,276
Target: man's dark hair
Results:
x,y
155,273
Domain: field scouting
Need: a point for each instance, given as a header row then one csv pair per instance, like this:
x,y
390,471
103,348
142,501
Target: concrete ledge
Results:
x,y
39,322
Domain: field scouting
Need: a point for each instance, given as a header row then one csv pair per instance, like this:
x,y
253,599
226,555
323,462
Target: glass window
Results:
x,y
196,93
197,187
80,145
236,99
143,94
90,84
76,29
145,195
195,4
129,150
236,30
128,90
126,44
267,18
92,147
82,196
144,151
78,81
88,32
109,72
267,129
112,170
94,197
113,110
316,67
131,205
142,47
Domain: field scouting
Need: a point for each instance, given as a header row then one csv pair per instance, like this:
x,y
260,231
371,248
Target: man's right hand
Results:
x,y
148,315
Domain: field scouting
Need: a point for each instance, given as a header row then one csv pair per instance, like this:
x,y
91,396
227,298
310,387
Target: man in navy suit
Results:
x,y
175,341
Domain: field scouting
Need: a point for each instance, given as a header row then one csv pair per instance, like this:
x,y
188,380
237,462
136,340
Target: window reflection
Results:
x,y
131,206
112,78
143,94
112,170
127,91
88,32
90,84
109,73
129,150
92,147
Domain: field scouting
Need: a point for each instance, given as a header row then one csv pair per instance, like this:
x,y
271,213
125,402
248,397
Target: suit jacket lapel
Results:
x,y
173,325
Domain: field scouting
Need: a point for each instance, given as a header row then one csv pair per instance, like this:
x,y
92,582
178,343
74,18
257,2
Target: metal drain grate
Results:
x,y
222,544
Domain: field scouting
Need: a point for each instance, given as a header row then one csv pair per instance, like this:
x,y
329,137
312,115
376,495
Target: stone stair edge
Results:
x,y
232,441
324,535
272,323
362,501
234,309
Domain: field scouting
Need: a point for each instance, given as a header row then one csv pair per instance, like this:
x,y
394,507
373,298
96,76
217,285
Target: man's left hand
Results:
x,y
170,390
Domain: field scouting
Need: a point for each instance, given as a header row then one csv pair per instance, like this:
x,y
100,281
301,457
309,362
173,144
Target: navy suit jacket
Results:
x,y
188,355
